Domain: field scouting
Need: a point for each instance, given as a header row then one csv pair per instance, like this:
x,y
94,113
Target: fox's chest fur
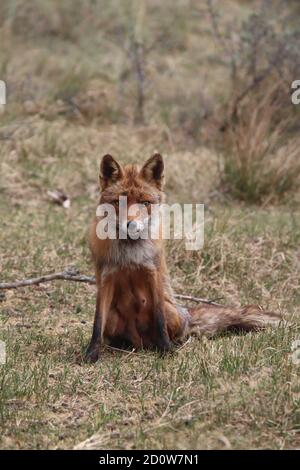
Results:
x,y
130,312
132,254
131,268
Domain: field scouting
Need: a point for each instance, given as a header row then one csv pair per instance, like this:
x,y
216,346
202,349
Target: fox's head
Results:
x,y
132,193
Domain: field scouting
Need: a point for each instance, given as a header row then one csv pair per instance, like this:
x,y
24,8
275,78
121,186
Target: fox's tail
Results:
x,y
210,320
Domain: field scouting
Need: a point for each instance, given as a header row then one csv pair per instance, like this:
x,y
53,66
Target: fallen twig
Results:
x,y
68,275
72,274
198,299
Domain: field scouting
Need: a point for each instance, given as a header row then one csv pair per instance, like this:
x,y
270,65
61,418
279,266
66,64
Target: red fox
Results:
x,y
135,304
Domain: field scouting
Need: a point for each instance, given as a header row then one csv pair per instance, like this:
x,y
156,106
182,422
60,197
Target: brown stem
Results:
x,y
72,274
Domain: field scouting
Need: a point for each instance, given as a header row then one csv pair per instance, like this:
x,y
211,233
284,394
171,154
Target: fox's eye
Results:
x,y
116,203
146,203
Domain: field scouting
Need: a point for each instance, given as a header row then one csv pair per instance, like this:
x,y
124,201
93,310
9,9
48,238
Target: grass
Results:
x,y
230,392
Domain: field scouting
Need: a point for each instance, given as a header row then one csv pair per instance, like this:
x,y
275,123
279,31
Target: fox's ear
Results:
x,y
153,170
110,171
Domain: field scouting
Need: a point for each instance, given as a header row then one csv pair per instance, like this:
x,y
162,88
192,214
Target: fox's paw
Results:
x,y
164,346
92,354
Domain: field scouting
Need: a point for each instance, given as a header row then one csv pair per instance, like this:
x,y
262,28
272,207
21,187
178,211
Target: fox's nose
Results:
x,y
132,225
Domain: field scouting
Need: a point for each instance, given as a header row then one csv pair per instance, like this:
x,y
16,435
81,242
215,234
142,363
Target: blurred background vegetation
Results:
x,y
207,73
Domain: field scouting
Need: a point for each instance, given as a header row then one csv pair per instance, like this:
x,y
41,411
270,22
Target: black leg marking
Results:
x,y
93,350
162,341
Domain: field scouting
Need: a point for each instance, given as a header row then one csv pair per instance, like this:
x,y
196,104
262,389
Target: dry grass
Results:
x,y
261,161
68,105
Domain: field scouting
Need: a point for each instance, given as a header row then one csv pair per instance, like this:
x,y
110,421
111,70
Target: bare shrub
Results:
x,y
258,120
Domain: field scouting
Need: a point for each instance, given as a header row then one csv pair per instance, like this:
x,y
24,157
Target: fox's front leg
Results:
x,y
161,336
103,304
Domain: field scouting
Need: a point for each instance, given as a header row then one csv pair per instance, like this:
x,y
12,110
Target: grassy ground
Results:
x,y
230,392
